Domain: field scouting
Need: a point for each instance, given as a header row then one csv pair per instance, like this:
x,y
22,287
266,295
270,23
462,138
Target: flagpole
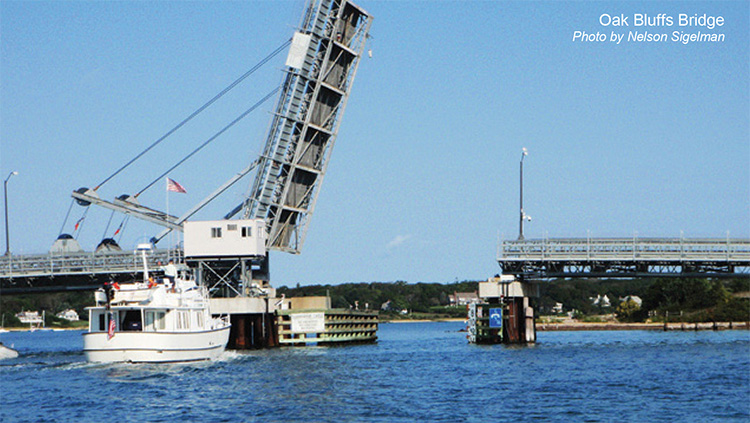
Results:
x,y
169,241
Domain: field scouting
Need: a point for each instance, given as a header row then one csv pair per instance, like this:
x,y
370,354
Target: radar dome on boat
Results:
x,y
65,244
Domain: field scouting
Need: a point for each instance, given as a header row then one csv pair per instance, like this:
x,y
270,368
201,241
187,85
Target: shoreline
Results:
x,y
540,327
584,326
447,319
16,329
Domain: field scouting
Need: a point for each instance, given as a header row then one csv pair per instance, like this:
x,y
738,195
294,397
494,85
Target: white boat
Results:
x,y
152,322
7,352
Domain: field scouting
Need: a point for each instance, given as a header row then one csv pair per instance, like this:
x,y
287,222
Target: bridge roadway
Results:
x,y
626,257
56,272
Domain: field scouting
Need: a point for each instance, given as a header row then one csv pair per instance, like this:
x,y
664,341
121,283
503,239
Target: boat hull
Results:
x,y
6,352
155,347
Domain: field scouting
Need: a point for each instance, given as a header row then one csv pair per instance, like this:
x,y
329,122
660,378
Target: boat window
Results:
x,y
131,321
231,227
215,232
183,320
102,323
247,231
199,319
155,321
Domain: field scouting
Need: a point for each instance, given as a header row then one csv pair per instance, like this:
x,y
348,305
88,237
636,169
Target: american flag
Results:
x,y
111,331
173,185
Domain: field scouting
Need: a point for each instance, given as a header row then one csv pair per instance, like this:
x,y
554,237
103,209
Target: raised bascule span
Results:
x,y
229,256
322,62
320,70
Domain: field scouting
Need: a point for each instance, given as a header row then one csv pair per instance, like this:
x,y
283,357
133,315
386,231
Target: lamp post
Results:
x,y
522,215
5,192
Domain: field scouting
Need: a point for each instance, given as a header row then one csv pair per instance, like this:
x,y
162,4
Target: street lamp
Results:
x,y
5,192
523,215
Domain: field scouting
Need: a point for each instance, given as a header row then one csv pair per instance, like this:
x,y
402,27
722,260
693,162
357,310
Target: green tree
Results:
x,y
627,310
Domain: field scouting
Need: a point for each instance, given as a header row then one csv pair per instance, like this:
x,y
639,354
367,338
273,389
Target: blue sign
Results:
x,y
496,317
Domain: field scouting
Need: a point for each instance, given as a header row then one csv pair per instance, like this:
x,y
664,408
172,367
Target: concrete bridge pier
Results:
x,y
504,314
252,318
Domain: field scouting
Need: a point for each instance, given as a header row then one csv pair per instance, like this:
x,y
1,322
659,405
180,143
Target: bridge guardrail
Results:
x,y
624,249
85,263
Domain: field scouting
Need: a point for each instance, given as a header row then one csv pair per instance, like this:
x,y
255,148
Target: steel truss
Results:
x,y
626,257
232,277
75,271
306,122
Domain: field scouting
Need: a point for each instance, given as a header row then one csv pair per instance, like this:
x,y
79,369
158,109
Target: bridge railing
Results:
x,y
55,264
623,249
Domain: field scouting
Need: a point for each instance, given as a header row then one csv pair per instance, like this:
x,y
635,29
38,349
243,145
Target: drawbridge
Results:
x,y
320,68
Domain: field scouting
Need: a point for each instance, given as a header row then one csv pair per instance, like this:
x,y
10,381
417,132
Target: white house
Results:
x,y
30,317
601,301
69,314
636,299
463,298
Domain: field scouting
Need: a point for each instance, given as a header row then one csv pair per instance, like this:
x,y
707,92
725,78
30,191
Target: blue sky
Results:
x,y
646,139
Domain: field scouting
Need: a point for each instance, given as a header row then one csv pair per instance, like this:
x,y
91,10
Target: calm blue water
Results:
x,y
416,372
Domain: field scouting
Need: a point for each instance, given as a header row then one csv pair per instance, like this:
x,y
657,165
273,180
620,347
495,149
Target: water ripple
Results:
x,y
417,372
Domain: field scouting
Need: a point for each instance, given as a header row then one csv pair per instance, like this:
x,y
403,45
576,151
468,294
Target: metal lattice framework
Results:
x,y
74,271
626,257
306,122
319,77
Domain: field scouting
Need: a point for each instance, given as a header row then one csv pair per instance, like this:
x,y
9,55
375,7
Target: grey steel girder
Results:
x,y
306,122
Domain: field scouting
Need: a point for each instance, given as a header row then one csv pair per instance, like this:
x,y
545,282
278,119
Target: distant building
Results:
x,y
601,301
558,308
388,306
29,317
463,298
69,314
634,298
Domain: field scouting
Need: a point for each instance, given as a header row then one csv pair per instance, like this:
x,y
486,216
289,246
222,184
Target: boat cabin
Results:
x,y
140,308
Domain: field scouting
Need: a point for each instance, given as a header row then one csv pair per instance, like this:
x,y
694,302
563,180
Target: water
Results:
x,y
416,372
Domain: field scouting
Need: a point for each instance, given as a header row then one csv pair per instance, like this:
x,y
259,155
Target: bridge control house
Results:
x,y
225,238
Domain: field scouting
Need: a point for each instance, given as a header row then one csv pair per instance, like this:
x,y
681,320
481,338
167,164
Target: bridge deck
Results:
x,y
55,272
626,257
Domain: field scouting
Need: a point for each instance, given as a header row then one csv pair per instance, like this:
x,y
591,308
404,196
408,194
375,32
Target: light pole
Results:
x,y
5,192
523,215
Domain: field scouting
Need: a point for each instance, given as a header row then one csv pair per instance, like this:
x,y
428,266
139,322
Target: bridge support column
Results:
x,y
505,314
